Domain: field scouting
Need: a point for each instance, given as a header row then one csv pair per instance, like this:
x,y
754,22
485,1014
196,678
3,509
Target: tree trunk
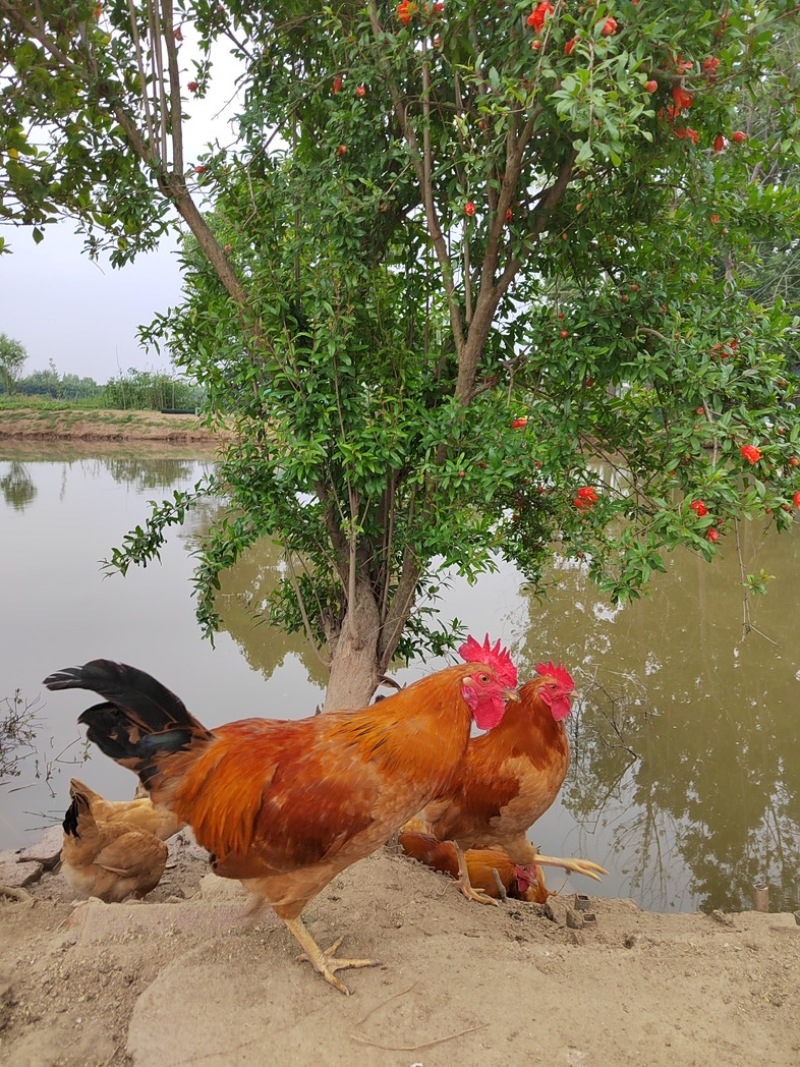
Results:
x,y
355,671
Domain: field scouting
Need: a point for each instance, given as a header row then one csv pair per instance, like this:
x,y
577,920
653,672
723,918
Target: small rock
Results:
x,y
46,851
15,874
575,919
556,910
721,917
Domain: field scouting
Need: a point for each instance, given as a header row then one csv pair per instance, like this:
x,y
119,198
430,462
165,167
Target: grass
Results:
x,y
26,403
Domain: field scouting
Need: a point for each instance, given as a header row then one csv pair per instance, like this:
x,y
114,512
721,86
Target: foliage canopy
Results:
x,y
472,279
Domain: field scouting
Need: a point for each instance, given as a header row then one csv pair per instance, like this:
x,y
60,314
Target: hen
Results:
x,y
107,860
509,779
140,813
285,806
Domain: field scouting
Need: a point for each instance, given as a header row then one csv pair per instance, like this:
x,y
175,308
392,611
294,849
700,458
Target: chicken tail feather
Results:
x,y
140,722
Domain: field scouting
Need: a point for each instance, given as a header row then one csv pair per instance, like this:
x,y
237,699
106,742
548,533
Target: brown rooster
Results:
x,y
491,870
139,813
285,806
510,778
108,860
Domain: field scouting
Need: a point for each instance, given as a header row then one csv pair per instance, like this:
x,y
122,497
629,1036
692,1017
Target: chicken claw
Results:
x,y
584,867
464,884
324,962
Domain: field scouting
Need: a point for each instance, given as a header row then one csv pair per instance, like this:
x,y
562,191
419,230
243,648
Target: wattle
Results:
x,y
488,714
560,708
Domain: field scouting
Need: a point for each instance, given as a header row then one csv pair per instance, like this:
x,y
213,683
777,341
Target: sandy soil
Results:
x,y
183,978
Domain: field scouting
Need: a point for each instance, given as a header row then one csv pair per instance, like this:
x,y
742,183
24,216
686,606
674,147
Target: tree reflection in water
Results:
x,y
17,486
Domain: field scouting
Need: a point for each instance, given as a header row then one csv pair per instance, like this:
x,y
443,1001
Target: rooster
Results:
x,y
510,778
139,813
107,860
491,870
286,806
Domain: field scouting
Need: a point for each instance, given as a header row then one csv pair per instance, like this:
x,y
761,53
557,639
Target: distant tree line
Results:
x,y
141,390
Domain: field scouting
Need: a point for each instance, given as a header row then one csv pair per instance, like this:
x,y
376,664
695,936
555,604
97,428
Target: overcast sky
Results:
x,y
84,316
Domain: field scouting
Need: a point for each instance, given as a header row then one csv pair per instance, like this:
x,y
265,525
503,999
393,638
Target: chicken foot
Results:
x,y
325,962
572,866
464,884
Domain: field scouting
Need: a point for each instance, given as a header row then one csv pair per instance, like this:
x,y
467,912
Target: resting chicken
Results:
x,y
139,813
510,778
108,860
285,806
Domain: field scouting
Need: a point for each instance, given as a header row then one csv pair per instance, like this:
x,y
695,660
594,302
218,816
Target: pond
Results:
x,y
685,780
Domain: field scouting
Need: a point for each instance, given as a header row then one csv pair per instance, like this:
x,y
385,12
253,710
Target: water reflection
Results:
x,y
684,739
686,760
17,486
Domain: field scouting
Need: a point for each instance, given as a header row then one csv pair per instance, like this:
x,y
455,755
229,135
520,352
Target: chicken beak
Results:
x,y
510,694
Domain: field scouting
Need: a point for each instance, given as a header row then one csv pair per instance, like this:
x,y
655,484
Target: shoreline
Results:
x,y
105,426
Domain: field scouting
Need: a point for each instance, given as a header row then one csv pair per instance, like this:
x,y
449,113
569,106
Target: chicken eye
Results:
x,y
484,678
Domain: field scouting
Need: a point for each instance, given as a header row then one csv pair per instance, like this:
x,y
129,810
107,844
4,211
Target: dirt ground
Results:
x,y
183,978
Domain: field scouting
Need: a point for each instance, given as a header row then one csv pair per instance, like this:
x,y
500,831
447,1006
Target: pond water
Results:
x,y
685,781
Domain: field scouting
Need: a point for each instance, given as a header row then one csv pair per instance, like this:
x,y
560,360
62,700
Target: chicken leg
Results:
x,y
324,962
465,885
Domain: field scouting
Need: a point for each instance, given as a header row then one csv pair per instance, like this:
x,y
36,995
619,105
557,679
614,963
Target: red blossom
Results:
x,y
609,27
586,498
689,133
796,499
361,91
683,100
738,137
520,423
539,14
750,453
192,87
405,12
699,507
469,208
337,84
568,47
719,143
710,65
712,534
651,86
714,219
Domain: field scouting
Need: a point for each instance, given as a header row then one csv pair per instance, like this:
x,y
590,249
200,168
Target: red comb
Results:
x,y
496,657
560,673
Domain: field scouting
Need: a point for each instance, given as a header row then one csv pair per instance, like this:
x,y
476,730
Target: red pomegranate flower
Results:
x,y
699,507
539,14
712,534
469,208
751,453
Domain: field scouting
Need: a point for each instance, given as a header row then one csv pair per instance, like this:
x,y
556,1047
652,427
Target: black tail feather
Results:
x,y
140,719
70,822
